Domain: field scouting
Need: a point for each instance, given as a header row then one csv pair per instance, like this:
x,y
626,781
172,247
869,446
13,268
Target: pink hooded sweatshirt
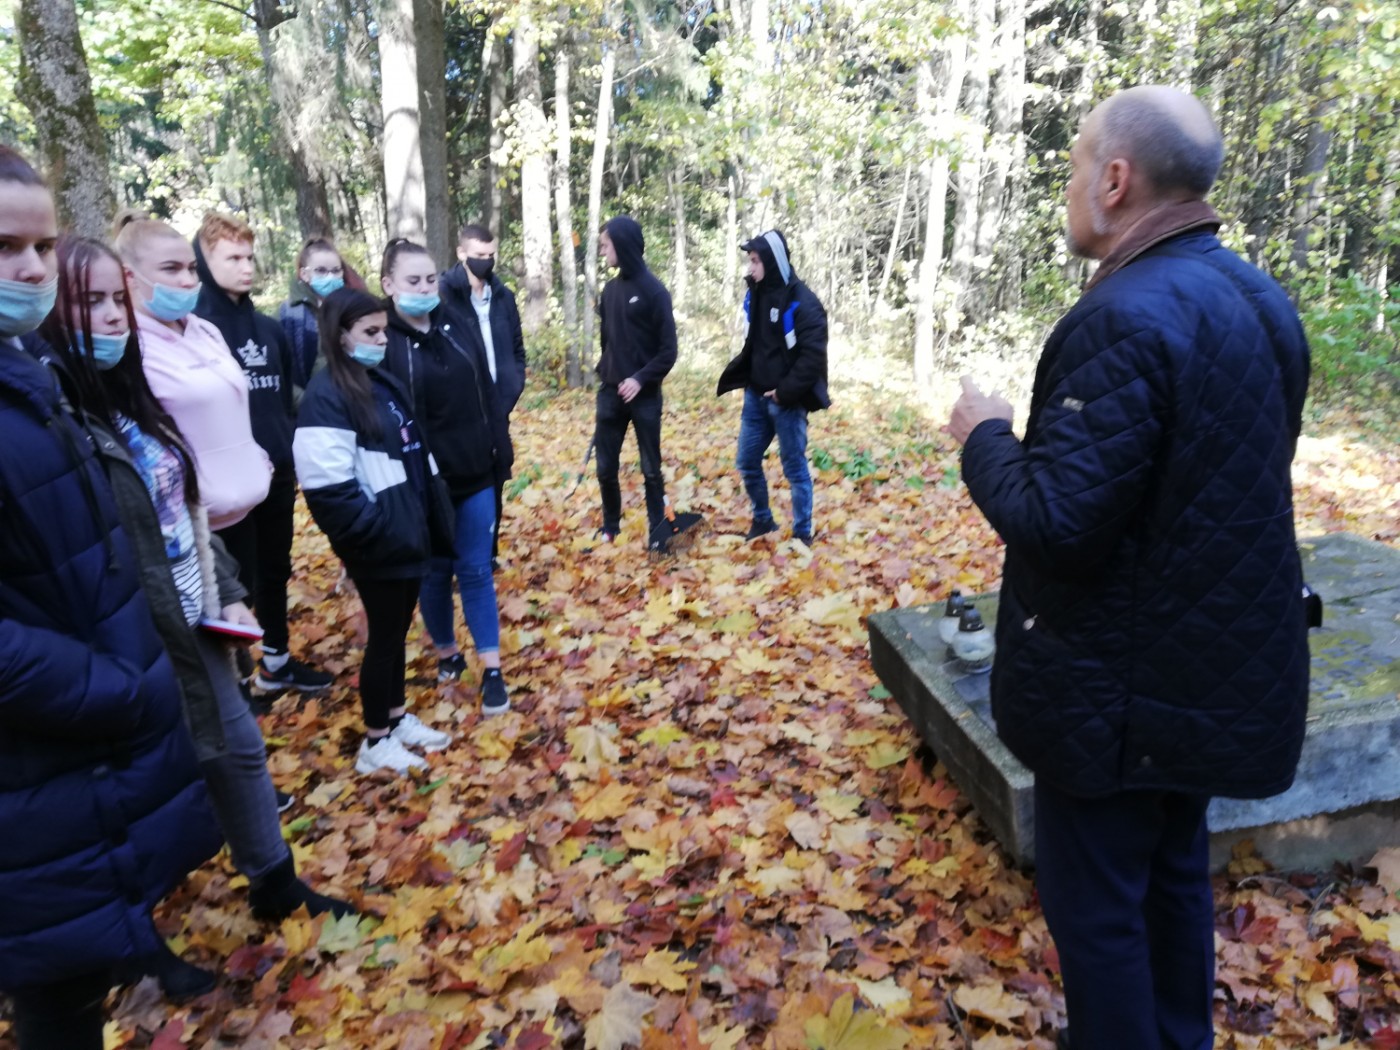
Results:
x,y
196,379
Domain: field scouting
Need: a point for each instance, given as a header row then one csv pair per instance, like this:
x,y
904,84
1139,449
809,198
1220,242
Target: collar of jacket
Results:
x,y
1160,224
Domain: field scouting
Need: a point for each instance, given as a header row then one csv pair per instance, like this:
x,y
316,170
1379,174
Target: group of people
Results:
x,y
159,426
1152,641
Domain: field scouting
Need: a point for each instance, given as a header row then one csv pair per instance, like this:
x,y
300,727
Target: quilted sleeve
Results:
x,y
1063,497
56,686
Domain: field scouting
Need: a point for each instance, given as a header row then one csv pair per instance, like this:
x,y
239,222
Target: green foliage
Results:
x,y
1355,340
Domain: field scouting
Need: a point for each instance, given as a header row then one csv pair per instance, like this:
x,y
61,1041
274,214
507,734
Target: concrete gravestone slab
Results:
x,y
1344,802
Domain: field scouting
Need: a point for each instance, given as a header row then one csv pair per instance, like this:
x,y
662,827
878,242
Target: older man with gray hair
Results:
x,y
1152,640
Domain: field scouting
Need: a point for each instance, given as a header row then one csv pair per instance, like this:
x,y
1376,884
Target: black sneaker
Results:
x,y
293,675
659,547
259,705
494,700
451,668
284,802
758,529
804,538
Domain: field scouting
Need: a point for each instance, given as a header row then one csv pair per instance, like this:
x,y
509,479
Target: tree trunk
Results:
x,y
895,239
1311,181
967,265
429,31
729,250
602,128
496,106
564,213
55,86
280,74
404,194
534,175
939,87
680,266
996,238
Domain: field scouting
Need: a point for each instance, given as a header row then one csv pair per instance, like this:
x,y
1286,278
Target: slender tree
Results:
x,y
404,190
55,86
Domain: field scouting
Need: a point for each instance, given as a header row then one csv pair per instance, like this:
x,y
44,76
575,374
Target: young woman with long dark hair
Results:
x,y
187,579
372,487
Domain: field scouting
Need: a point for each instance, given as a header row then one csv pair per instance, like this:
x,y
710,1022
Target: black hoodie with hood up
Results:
x,y
260,347
785,342
638,329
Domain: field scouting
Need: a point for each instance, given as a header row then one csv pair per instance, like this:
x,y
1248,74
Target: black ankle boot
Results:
x,y
179,981
280,892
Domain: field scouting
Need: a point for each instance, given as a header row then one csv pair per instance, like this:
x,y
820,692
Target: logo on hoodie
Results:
x,y
252,355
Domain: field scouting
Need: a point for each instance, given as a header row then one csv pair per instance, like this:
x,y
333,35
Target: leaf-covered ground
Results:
x,y
704,823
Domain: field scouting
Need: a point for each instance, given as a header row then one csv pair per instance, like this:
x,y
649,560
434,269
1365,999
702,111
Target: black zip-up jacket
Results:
x,y
638,328
785,336
452,395
378,499
260,347
507,336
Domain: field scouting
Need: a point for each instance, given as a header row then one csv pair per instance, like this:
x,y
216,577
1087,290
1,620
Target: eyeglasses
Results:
x,y
334,271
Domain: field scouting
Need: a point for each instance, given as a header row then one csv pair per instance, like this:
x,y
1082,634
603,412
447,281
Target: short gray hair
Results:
x,y
1135,127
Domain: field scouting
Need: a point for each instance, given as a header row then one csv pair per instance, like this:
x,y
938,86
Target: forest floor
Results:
x,y
704,822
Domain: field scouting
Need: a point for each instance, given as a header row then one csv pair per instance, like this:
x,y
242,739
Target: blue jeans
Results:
x,y
762,419
1125,884
476,526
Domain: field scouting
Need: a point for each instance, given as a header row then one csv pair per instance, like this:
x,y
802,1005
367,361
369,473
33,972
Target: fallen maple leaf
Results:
x,y
845,1029
1387,865
991,1002
340,935
805,829
664,969
619,1022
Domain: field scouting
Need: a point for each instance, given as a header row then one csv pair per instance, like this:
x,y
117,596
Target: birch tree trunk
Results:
x,y
55,86
404,197
534,175
996,238
967,264
895,240
602,129
1311,181
564,213
429,31
680,266
939,87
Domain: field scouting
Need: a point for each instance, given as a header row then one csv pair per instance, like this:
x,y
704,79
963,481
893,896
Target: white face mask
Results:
x,y
23,306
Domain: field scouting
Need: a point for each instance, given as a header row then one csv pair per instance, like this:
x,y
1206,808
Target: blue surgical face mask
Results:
x,y
107,350
417,304
368,354
23,306
323,286
171,304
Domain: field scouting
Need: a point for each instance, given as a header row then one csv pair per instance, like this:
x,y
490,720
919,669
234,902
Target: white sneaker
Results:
x,y
386,753
410,732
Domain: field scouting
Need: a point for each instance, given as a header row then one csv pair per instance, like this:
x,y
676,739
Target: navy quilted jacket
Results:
x,y
102,808
1151,632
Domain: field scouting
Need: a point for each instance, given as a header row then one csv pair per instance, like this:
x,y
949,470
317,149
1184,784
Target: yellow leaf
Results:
x,y
838,806
661,736
844,1029
833,610
991,1002
608,803
741,622
805,830
663,969
1387,865
885,994
1317,1000
885,754
721,1038
619,1022
776,879
593,744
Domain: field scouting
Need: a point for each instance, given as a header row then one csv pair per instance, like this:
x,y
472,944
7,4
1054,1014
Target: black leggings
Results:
x,y
67,1015
389,606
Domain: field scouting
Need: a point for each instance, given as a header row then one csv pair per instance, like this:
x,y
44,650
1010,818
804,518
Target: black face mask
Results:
x,y
748,280
481,268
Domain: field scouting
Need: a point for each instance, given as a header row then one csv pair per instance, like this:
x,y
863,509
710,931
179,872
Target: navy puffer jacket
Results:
x,y
1151,632
102,808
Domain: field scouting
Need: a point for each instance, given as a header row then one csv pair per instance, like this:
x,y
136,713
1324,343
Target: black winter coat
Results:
x,y
636,322
454,401
378,498
792,320
507,335
1151,632
102,807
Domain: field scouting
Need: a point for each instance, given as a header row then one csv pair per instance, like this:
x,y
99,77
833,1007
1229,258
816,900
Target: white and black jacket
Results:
x,y
378,499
